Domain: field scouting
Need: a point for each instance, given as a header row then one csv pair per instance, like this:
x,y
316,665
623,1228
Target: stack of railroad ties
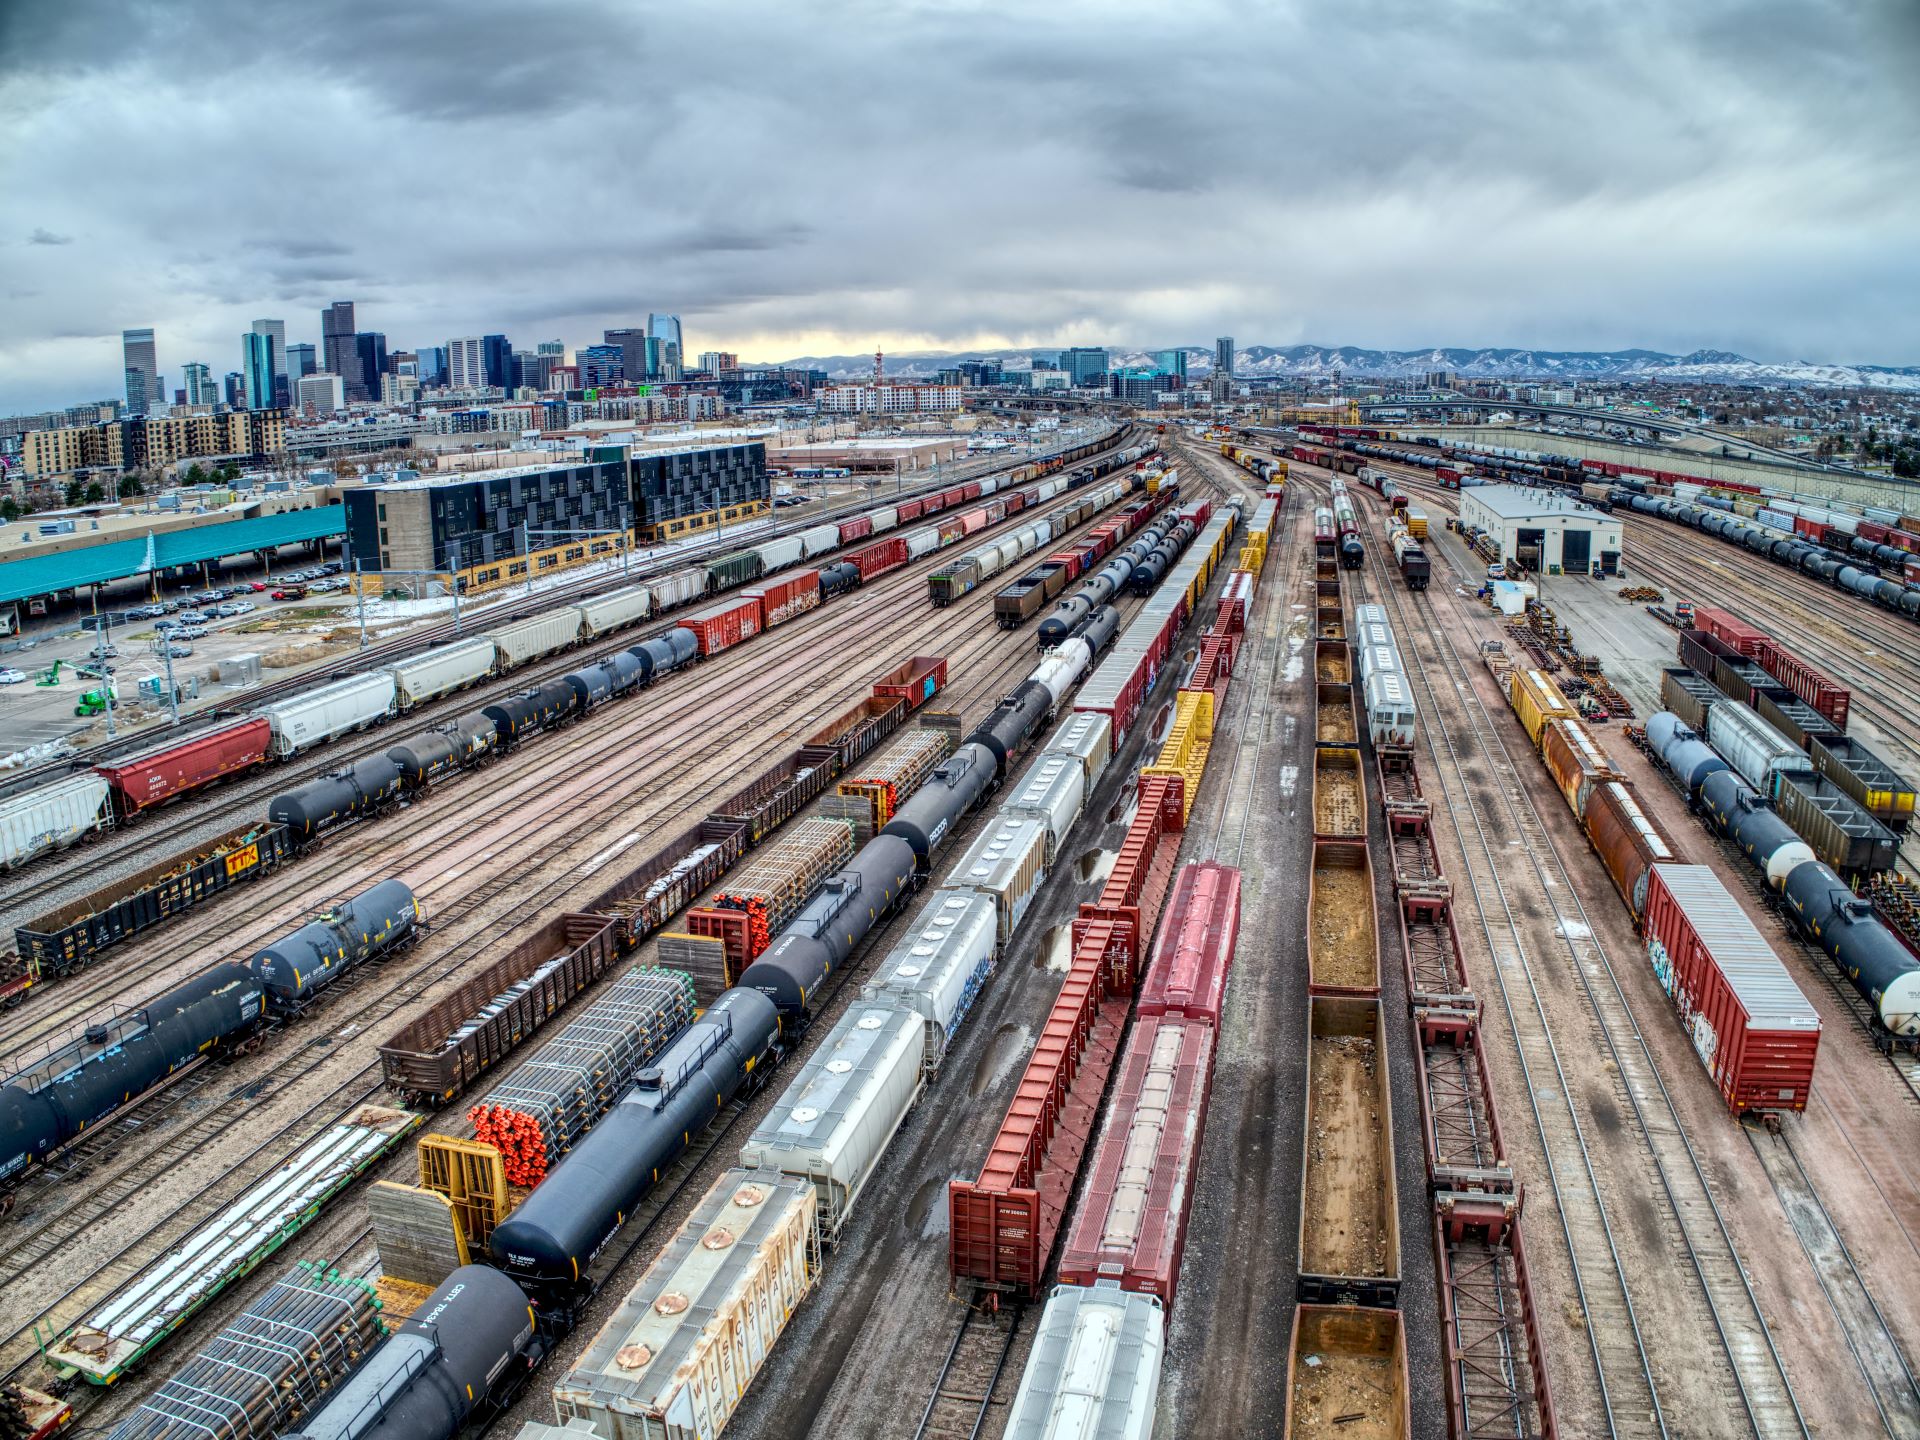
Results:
x,y
472,1347
124,789
1814,812
1755,1032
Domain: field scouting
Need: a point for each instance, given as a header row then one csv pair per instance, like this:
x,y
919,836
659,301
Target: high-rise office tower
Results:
x,y
497,357
1223,355
277,330
371,348
339,353
1174,363
200,387
632,343
431,364
556,348
666,329
143,373
257,365
300,362
235,386
466,362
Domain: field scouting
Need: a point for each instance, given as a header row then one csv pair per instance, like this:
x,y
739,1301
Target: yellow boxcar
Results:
x,y
1536,700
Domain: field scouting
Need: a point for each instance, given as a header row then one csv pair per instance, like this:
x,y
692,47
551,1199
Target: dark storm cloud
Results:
x,y
1589,174
47,237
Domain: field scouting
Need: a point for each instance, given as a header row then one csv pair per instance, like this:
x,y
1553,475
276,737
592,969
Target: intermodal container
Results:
x,y
152,777
719,627
1627,840
1748,1022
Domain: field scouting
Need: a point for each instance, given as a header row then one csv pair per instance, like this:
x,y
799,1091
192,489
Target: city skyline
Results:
x,y
1729,175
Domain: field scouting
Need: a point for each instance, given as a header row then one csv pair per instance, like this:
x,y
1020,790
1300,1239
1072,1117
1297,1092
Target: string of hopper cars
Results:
x,y
760,1229
121,789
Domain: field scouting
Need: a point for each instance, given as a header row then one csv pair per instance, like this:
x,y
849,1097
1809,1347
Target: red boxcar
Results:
x,y
1749,1023
970,490
723,626
1072,561
977,519
1830,699
857,528
1188,973
911,509
784,596
1812,530
1016,501
141,781
1722,626
1131,1223
1874,531
880,557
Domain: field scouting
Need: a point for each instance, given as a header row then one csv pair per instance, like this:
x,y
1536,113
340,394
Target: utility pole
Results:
x,y
106,676
360,592
165,645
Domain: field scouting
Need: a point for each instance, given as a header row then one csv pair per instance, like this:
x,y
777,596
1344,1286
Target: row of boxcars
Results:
x,y
117,790
1753,1029
1020,601
801,1171
968,571
45,1106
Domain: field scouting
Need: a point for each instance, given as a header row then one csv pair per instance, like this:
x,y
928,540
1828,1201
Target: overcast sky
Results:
x,y
818,178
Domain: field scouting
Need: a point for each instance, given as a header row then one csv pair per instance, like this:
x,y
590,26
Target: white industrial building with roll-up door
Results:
x,y
1545,531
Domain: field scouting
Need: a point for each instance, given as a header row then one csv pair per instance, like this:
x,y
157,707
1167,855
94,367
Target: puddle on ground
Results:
x,y
924,1218
1055,952
1162,723
1009,1043
1125,804
1095,865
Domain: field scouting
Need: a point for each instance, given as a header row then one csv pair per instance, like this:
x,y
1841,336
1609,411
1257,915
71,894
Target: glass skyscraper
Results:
x,y
143,372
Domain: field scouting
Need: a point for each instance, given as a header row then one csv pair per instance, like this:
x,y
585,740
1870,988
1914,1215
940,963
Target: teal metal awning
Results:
x,y
119,559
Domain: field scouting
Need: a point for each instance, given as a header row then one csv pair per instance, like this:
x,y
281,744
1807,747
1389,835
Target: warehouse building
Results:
x,y
1543,531
501,527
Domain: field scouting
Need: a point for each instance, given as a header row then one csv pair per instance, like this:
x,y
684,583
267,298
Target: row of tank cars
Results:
x,y
218,1012
472,1344
119,790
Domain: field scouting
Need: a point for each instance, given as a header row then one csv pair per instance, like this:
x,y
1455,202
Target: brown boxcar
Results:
x,y
1628,841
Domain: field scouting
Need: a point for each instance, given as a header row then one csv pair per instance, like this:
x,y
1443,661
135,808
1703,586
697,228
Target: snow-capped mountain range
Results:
x,y
1316,361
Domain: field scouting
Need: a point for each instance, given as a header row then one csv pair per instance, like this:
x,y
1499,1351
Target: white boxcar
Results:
x,y
1088,737
938,969
678,588
1370,614
420,678
819,540
519,641
778,554
885,518
52,817
1052,791
1379,660
680,1352
923,541
611,611
336,709
1094,1368
838,1116
1009,863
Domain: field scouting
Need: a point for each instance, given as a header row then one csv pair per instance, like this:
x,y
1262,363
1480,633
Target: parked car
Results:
x,y
146,612
168,625
290,592
239,607
195,617
11,676
179,652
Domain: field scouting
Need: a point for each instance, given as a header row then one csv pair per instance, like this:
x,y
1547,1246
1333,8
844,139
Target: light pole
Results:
x,y
360,593
106,675
164,644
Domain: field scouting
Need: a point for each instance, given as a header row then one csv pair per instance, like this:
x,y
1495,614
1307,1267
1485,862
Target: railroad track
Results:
x,y
197,818
970,1375
980,641
652,723
1629,1393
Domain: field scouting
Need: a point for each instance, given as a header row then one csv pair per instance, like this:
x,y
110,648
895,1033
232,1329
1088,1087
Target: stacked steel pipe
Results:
x,y
268,1368
575,1078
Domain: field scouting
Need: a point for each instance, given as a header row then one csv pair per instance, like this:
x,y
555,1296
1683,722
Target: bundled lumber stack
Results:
x,y
575,1078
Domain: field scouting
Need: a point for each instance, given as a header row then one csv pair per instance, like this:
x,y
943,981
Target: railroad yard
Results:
x,y
1211,1009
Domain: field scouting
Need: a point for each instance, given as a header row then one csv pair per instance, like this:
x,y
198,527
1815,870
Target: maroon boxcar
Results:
x,y
720,627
